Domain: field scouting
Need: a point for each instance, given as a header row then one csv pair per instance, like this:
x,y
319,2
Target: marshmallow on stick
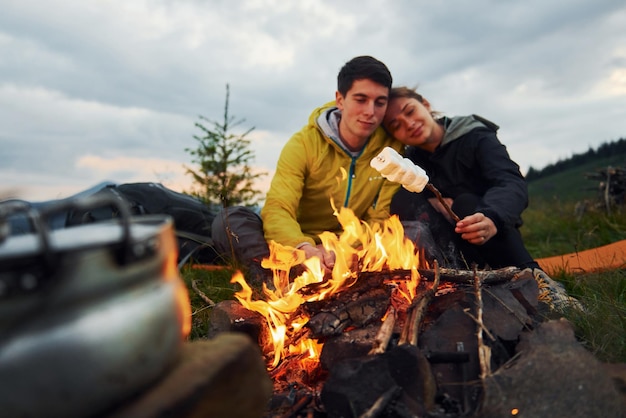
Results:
x,y
394,167
398,169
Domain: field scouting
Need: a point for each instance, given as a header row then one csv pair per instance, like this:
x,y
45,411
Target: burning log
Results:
x,y
355,343
417,312
385,332
349,309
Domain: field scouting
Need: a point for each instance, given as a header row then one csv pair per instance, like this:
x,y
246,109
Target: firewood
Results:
x,y
417,311
348,311
504,274
484,352
385,332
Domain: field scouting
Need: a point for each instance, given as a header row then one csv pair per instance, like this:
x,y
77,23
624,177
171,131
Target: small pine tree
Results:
x,y
224,176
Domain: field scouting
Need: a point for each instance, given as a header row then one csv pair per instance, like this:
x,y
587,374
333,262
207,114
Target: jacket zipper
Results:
x,y
351,175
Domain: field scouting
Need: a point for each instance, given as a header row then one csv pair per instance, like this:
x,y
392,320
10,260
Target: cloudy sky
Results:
x,y
94,90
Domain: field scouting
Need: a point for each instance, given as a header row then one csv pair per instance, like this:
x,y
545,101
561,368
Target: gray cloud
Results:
x,y
111,90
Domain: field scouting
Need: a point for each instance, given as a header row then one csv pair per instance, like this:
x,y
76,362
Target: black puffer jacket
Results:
x,y
470,159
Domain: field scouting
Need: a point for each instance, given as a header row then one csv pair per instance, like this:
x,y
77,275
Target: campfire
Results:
x,y
358,250
384,331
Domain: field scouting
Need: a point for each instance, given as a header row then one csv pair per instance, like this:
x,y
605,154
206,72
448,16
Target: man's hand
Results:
x,y
327,258
476,229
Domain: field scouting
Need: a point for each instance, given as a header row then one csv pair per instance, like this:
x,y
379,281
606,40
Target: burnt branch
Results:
x,y
417,312
504,274
385,332
337,315
484,352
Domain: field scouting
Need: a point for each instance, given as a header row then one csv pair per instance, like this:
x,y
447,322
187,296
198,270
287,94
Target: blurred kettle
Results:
x,y
90,315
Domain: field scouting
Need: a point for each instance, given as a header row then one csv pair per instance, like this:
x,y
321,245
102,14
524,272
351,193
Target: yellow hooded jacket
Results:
x,y
313,169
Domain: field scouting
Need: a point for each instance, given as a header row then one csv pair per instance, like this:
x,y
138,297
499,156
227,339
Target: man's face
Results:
x,y
362,110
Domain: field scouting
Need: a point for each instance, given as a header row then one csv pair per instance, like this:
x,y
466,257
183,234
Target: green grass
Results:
x,y
551,227
215,285
601,328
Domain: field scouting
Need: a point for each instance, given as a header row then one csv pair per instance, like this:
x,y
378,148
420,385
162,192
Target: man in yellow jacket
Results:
x,y
329,159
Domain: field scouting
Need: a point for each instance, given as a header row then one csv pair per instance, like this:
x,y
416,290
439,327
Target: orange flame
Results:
x,y
373,248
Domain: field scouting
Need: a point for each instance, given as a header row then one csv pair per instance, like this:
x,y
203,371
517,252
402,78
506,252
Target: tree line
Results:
x,y
607,149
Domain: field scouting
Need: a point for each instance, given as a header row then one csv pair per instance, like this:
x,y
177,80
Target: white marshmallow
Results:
x,y
394,167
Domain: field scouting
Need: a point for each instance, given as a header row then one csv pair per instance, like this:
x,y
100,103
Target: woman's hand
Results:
x,y
476,229
327,258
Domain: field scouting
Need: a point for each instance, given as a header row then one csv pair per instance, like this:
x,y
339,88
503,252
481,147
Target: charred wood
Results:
x,y
354,386
417,311
352,310
384,333
484,352
502,275
361,283
355,343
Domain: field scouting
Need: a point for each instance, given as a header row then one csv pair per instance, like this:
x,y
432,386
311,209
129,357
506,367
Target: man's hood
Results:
x,y
327,118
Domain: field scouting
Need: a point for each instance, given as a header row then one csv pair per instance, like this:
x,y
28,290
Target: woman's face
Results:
x,y
411,122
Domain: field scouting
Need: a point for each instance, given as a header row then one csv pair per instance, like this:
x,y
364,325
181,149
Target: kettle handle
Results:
x,y
38,216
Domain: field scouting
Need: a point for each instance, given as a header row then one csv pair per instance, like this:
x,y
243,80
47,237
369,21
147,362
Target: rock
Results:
x,y
553,376
617,371
222,377
398,382
231,316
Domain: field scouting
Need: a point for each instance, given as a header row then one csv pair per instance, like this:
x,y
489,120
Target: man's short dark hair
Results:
x,y
363,67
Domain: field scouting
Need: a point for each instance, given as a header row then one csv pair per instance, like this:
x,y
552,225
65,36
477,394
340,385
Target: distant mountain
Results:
x,y
566,180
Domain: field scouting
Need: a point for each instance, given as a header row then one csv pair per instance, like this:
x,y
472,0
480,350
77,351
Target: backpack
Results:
x,y
192,218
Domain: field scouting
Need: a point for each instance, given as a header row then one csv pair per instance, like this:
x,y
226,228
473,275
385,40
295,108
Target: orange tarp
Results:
x,y
607,257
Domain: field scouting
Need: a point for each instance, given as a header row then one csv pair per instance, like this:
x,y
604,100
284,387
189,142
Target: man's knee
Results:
x,y
238,231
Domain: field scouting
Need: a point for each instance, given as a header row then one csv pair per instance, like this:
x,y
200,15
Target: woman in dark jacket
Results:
x,y
471,168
